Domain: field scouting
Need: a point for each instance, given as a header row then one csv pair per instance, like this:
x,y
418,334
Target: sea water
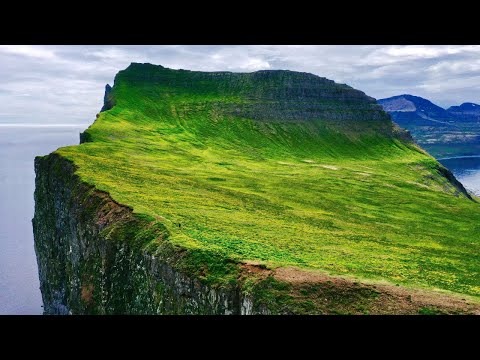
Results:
x,y
466,170
19,144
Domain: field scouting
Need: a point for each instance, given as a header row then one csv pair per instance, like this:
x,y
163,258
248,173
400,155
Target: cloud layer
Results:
x,y
65,84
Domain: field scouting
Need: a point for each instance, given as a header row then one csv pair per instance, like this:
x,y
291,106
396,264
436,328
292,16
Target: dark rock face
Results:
x,y
107,101
267,95
86,267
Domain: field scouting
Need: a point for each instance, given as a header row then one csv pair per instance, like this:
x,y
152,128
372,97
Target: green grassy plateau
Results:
x,y
283,169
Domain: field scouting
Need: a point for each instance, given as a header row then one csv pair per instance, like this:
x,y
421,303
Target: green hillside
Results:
x,y
279,168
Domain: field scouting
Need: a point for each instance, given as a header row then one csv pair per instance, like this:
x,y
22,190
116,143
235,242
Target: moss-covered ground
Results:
x,y
344,197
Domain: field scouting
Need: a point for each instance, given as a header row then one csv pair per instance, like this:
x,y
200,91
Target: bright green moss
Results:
x,y
343,194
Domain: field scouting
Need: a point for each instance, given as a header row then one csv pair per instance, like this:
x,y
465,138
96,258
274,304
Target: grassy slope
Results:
x,y
335,196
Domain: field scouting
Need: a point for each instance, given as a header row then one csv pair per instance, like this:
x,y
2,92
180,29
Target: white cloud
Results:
x,y
109,53
65,83
256,64
28,51
386,55
455,67
412,52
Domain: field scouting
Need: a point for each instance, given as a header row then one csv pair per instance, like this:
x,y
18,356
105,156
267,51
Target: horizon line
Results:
x,y
41,125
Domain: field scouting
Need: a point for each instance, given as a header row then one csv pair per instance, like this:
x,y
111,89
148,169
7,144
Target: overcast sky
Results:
x,y
65,84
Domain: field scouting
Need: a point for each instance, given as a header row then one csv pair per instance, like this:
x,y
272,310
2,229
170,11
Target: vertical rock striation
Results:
x,y
86,266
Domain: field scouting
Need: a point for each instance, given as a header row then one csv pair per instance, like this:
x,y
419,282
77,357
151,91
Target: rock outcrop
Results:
x,y
107,100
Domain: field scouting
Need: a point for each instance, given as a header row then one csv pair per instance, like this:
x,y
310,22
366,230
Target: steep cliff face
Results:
x,y
107,101
88,263
92,260
221,193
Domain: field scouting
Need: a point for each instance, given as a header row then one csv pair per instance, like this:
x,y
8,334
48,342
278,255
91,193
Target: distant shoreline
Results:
x,y
459,157
24,125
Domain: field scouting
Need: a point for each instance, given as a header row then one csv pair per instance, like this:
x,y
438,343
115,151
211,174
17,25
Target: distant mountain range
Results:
x,y
466,111
442,132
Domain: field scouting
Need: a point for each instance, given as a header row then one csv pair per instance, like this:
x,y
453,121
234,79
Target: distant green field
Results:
x,y
341,194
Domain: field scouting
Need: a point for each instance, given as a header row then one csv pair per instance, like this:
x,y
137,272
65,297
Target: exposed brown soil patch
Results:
x,y
348,296
111,211
87,293
257,269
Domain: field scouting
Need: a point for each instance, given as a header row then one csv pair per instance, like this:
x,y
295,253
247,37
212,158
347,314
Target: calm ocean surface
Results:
x,y
19,285
466,170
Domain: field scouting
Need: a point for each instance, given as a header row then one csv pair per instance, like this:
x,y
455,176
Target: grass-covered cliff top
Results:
x,y
280,168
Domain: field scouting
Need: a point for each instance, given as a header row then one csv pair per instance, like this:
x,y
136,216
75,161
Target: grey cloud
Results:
x,y
64,84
